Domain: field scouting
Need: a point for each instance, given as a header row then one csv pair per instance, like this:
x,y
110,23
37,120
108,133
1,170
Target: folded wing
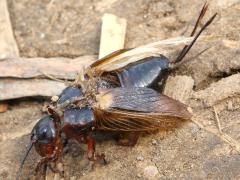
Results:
x,y
137,109
124,57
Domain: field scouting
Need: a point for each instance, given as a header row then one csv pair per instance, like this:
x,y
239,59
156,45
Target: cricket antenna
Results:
x,y
23,161
187,48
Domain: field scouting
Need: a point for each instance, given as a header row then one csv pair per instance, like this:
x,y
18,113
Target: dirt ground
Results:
x,y
71,28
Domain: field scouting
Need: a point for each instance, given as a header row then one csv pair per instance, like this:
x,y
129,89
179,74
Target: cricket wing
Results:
x,y
124,57
137,109
121,59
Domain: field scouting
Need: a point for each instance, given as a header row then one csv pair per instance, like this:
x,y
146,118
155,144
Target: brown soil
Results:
x,y
72,28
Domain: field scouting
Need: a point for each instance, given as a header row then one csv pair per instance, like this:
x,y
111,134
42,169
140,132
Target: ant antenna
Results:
x,y
23,161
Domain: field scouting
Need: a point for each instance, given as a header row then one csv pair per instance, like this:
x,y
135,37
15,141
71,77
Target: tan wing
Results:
x,y
137,109
109,56
122,58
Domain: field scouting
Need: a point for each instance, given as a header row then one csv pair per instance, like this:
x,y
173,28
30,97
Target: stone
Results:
x,y
150,172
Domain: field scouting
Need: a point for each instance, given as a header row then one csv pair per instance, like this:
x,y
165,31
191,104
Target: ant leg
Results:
x,y
131,141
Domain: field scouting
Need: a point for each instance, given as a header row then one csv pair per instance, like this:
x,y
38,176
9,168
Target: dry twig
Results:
x,y
217,120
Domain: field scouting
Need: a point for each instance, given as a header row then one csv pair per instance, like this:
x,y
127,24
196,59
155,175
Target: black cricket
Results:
x,y
125,100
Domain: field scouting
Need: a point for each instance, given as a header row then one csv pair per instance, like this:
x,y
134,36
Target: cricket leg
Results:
x,y
91,147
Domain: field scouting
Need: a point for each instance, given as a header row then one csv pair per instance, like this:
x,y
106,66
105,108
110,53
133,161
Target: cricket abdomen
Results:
x,y
151,72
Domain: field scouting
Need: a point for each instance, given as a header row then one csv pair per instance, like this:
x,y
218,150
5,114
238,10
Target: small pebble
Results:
x,y
139,175
42,35
3,107
190,110
60,167
45,108
145,16
150,171
230,106
73,178
54,98
140,158
3,56
56,176
154,142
